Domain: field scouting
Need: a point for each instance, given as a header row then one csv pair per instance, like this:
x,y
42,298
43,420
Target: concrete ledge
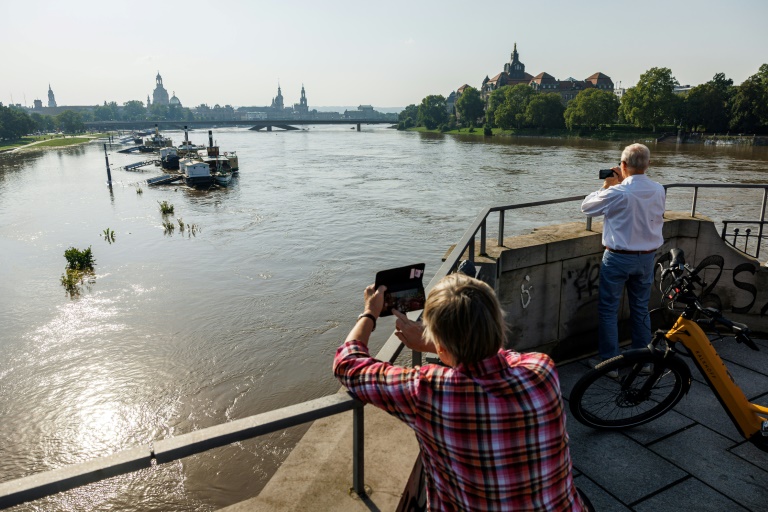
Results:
x,y
317,475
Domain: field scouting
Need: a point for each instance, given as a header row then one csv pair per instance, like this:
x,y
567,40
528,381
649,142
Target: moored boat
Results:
x,y
196,173
169,159
157,140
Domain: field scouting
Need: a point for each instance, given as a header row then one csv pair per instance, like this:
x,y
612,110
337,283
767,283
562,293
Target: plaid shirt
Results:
x,y
492,434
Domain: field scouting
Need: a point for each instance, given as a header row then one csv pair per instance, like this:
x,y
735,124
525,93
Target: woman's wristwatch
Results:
x,y
368,315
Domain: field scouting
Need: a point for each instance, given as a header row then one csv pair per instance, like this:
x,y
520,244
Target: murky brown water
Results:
x,y
179,333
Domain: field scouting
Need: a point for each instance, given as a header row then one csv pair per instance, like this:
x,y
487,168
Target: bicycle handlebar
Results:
x,y
682,287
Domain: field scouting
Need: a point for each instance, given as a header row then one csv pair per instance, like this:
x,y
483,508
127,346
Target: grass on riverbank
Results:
x,y
604,134
49,140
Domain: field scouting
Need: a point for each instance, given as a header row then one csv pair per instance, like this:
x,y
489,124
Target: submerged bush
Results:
x,y
166,208
79,260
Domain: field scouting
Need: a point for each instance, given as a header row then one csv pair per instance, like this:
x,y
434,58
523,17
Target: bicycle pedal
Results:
x,y
764,429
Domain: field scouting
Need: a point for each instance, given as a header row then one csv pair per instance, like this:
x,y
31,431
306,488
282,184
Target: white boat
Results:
x,y
196,173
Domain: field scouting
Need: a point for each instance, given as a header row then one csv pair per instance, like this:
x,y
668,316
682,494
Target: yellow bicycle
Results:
x,y
651,381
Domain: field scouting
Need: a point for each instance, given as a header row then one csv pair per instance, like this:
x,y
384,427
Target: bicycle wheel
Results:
x,y
602,402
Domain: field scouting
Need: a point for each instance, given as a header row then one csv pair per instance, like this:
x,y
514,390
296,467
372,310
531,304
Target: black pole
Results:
x,y
109,174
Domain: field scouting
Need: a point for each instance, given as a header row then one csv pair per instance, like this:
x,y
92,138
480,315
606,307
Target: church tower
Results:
x,y
160,95
277,102
51,98
514,68
303,100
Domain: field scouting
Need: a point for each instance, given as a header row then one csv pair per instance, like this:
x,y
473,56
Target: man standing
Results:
x,y
633,206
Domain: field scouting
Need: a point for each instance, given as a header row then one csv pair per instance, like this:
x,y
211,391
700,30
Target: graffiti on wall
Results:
x,y
585,280
525,293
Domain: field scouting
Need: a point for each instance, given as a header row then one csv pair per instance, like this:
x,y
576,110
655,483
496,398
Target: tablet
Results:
x,y
405,288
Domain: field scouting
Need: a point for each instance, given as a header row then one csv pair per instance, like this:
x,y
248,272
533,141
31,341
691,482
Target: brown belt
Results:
x,y
622,251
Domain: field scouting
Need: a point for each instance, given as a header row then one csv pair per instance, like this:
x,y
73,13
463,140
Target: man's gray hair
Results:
x,y
636,156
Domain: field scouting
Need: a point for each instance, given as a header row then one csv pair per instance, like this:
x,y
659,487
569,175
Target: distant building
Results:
x,y
51,98
38,105
174,100
514,73
159,95
301,107
682,89
277,101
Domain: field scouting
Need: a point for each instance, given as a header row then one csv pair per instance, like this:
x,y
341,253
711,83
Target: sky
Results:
x,y
389,53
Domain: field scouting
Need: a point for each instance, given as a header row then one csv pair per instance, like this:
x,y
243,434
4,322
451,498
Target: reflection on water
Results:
x,y
179,333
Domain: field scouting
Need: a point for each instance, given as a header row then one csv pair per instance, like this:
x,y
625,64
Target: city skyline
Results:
x,y
347,53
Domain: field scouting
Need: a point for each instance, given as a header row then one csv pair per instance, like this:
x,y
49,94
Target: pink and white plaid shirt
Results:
x,y
492,434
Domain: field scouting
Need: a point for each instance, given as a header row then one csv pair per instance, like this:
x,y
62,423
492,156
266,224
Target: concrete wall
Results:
x,y
547,282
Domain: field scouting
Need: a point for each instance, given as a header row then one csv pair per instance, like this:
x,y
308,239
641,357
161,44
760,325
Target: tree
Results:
x,y
749,107
652,101
469,106
411,111
432,111
511,113
70,122
545,111
494,100
706,105
591,108
158,112
14,123
134,110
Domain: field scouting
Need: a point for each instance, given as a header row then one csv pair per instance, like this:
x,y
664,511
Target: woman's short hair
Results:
x,y
463,315
636,156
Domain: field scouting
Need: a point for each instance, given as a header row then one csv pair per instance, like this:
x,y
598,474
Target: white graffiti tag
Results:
x,y
525,294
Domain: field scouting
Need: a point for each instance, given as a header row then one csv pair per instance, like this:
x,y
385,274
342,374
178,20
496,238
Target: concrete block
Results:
x,y
513,258
618,464
704,454
588,243
530,298
578,296
691,494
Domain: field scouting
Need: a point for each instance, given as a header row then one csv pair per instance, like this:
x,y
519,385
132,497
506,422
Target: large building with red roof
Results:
x,y
514,73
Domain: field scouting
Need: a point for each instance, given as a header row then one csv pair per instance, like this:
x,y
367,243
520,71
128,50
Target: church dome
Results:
x,y
174,100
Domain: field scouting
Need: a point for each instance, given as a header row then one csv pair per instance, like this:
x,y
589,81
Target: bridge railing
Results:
x,y
47,483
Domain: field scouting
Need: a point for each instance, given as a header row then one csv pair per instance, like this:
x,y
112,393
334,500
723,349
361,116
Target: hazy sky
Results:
x,y
386,53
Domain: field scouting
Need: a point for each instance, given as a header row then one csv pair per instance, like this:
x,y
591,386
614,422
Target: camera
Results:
x,y
606,173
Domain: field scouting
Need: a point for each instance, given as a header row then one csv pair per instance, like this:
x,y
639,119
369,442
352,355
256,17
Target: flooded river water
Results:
x,y
181,332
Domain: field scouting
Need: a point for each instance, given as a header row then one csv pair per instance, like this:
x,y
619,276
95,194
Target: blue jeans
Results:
x,y
636,272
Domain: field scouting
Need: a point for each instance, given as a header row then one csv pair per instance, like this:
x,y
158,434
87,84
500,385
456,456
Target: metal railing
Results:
x,y
54,481
746,236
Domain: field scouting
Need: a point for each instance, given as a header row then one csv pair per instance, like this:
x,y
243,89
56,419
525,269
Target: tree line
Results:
x,y
15,122
716,106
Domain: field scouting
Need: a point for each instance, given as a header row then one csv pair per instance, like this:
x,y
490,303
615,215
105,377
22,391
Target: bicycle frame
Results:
x,y
746,416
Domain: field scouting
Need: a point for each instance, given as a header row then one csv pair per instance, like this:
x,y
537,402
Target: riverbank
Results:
x,y
47,141
607,134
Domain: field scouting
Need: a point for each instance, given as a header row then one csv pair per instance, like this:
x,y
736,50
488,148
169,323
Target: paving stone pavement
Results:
x,y
691,459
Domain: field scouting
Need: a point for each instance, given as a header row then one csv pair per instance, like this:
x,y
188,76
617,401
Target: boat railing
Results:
x,y
54,481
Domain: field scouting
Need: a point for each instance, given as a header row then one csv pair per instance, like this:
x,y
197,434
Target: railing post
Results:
x,y
695,197
762,221
482,238
500,242
589,223
415,358
746,240
471,249
725,229
358,449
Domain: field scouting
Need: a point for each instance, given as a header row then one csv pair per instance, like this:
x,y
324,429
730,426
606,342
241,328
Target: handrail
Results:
x,y
44,484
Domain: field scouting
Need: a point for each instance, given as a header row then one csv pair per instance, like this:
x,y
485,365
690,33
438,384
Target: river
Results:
x,y
180,332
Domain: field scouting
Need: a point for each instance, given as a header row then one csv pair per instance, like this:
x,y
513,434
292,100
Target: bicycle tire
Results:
x,y
607,403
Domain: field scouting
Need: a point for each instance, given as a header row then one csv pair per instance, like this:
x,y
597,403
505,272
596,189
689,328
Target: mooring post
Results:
x,y
358,126
109,174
